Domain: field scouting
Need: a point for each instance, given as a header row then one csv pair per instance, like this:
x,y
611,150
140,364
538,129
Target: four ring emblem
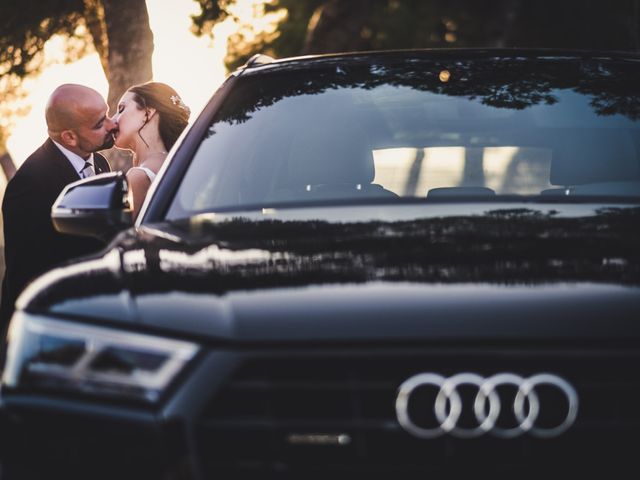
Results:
x,y
487,405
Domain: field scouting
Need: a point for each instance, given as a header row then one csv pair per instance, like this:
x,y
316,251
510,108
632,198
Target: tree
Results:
x,y
323,26
117,29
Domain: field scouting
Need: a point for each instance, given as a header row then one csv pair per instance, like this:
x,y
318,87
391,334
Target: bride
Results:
x,y
149,119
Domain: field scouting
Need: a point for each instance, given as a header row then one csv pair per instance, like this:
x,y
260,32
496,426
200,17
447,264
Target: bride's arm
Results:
x,y
138,185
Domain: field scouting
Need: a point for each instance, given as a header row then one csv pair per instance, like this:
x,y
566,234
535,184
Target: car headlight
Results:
x,y
58,356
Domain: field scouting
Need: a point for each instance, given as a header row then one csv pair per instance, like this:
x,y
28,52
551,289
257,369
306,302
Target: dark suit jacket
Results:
x,y
32,245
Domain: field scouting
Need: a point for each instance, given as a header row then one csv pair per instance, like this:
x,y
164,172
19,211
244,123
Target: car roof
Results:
x,y
260,62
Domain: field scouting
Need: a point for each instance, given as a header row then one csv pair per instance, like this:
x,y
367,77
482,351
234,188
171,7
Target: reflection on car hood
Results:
x,y
283,277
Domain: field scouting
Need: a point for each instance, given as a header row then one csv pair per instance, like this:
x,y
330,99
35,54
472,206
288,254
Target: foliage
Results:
x,y
211,12
26,26
305,25
512,83
287,41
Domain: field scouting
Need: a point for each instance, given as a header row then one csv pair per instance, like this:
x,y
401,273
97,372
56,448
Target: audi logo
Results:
x,y
448,405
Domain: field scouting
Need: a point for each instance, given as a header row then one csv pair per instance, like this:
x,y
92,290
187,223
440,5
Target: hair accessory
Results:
x,y
177,101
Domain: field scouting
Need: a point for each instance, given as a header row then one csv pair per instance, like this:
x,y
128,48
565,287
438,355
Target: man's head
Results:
x,y
77,119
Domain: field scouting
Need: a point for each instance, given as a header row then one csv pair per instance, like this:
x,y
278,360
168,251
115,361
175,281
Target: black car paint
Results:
x,y
474,306
237,280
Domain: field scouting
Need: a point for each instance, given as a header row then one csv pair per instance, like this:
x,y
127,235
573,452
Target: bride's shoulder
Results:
x,y
140,173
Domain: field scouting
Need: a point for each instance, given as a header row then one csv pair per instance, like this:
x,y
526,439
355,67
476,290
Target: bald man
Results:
x,y
78,126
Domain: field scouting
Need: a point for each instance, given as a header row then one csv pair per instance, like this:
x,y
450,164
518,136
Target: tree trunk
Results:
x,y
7,163
473,175
94,17
9,169
130,46
128,62
339,26
411,185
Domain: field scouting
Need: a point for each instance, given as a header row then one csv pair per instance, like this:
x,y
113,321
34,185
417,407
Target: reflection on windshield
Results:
x,y
514,84
416,172
361,131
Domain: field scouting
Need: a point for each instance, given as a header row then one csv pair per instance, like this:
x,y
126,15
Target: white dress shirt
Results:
x,y
77,161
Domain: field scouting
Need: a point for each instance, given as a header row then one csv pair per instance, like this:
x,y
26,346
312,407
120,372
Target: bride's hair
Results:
x,y
174,114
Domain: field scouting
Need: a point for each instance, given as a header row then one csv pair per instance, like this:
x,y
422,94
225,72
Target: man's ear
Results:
x,y
68,138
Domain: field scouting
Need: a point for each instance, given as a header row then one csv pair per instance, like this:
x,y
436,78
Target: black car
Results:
x,y
368,265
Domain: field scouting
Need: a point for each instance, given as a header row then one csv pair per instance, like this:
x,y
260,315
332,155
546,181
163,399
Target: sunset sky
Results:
x,y
193,66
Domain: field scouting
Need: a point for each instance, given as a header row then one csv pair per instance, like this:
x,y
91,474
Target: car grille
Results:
x,y
262,418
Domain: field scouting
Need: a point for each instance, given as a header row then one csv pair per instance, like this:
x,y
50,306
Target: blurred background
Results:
x,y
193,44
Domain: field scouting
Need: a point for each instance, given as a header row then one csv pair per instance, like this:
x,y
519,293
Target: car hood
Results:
x,y
366,273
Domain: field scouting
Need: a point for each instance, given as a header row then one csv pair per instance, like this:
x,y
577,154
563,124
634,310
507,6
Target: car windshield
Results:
x,y
411,128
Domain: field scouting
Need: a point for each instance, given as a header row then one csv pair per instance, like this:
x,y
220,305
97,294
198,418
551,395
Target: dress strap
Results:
x,y
150,173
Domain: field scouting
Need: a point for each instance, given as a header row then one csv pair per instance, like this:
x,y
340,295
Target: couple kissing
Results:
x,y
148,121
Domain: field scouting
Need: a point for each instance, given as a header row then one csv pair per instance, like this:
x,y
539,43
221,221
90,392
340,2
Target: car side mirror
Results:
x,y
97,206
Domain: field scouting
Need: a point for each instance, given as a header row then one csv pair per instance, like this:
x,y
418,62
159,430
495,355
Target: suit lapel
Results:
x,y
63,166
100,164
64,170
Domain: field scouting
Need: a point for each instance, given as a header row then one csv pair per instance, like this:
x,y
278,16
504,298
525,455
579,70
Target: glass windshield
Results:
x,y
414,128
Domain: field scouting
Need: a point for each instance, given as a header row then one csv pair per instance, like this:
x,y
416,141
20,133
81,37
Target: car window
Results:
x,y
419,129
